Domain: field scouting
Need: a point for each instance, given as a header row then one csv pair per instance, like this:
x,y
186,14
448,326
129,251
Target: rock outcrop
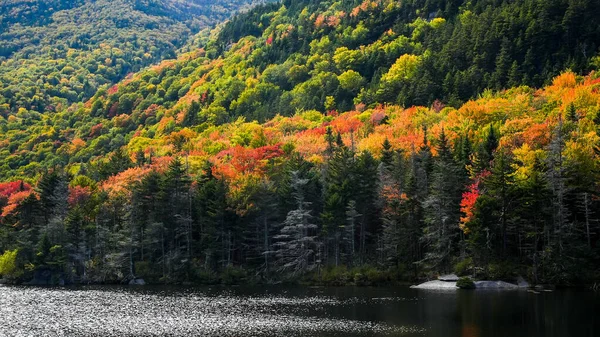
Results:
x,y
436,285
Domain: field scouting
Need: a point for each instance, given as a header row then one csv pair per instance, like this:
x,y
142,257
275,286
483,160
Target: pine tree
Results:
x,y
387,154
176,190
557,182
212,212
485,151
339,189
442,208
296,243
349,233
367,183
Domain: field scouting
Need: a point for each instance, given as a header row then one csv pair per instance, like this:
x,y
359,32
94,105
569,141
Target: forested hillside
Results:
x,y
54,53
337,142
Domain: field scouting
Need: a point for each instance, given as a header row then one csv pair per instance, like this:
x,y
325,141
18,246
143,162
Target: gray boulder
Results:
x,y
137,282
522,283
495,285
436,285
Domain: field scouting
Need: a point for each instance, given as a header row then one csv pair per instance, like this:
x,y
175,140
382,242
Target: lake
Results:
x,y
294,311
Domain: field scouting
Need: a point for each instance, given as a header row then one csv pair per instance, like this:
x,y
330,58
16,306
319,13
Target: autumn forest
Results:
x,y
321,142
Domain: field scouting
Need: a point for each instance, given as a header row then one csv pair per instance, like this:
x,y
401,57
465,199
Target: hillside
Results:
x,y
504,185
323,55
370,141
54,53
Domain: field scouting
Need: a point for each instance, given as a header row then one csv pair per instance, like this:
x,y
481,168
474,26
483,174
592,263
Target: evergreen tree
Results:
x,y
296,242
442,209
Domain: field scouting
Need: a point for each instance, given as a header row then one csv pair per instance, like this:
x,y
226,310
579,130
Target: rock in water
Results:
x,y
522,283
495,285
448,278
437,285
137,282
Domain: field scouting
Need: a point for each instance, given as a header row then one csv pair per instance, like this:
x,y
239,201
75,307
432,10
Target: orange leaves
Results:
x,y
78,143
565,80
346,123
113,90
14,201
239,160
330,20
467,206
391,196
181,139
365,6
320,21
11,196
119,184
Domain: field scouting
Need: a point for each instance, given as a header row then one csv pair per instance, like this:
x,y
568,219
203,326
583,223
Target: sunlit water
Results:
x,y
277,311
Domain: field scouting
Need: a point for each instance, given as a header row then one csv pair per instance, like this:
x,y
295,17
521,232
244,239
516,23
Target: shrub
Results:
x,y
501,271
465,283
8,265
464,267
335,276
360,279
233,275
375,276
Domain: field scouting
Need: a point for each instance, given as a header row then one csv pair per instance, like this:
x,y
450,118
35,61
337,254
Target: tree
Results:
x,y
485,151
296,242
212,212
442,211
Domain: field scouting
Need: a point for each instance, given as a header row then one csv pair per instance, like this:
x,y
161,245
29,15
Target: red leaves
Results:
x,y
8,189
469,199
79,195
11,196
377,116
96,130
113,90
270,40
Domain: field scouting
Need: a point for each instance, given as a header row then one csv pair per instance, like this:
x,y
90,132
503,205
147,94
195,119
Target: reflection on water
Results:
x,y
275,311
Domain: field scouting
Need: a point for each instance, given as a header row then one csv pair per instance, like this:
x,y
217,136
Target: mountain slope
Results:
x,y
59,52
388,193
322,55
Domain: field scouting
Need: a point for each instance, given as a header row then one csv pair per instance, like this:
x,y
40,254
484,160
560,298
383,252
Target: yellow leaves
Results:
x,y
582,153
404,68
8,264
181,140
312,115
372,143
346,59
526,161
351,81
320,46
437,23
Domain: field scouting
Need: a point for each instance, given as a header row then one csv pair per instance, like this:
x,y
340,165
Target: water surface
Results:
x,y
284,311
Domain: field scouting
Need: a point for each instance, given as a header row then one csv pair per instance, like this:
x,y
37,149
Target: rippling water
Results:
x,y
163,311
